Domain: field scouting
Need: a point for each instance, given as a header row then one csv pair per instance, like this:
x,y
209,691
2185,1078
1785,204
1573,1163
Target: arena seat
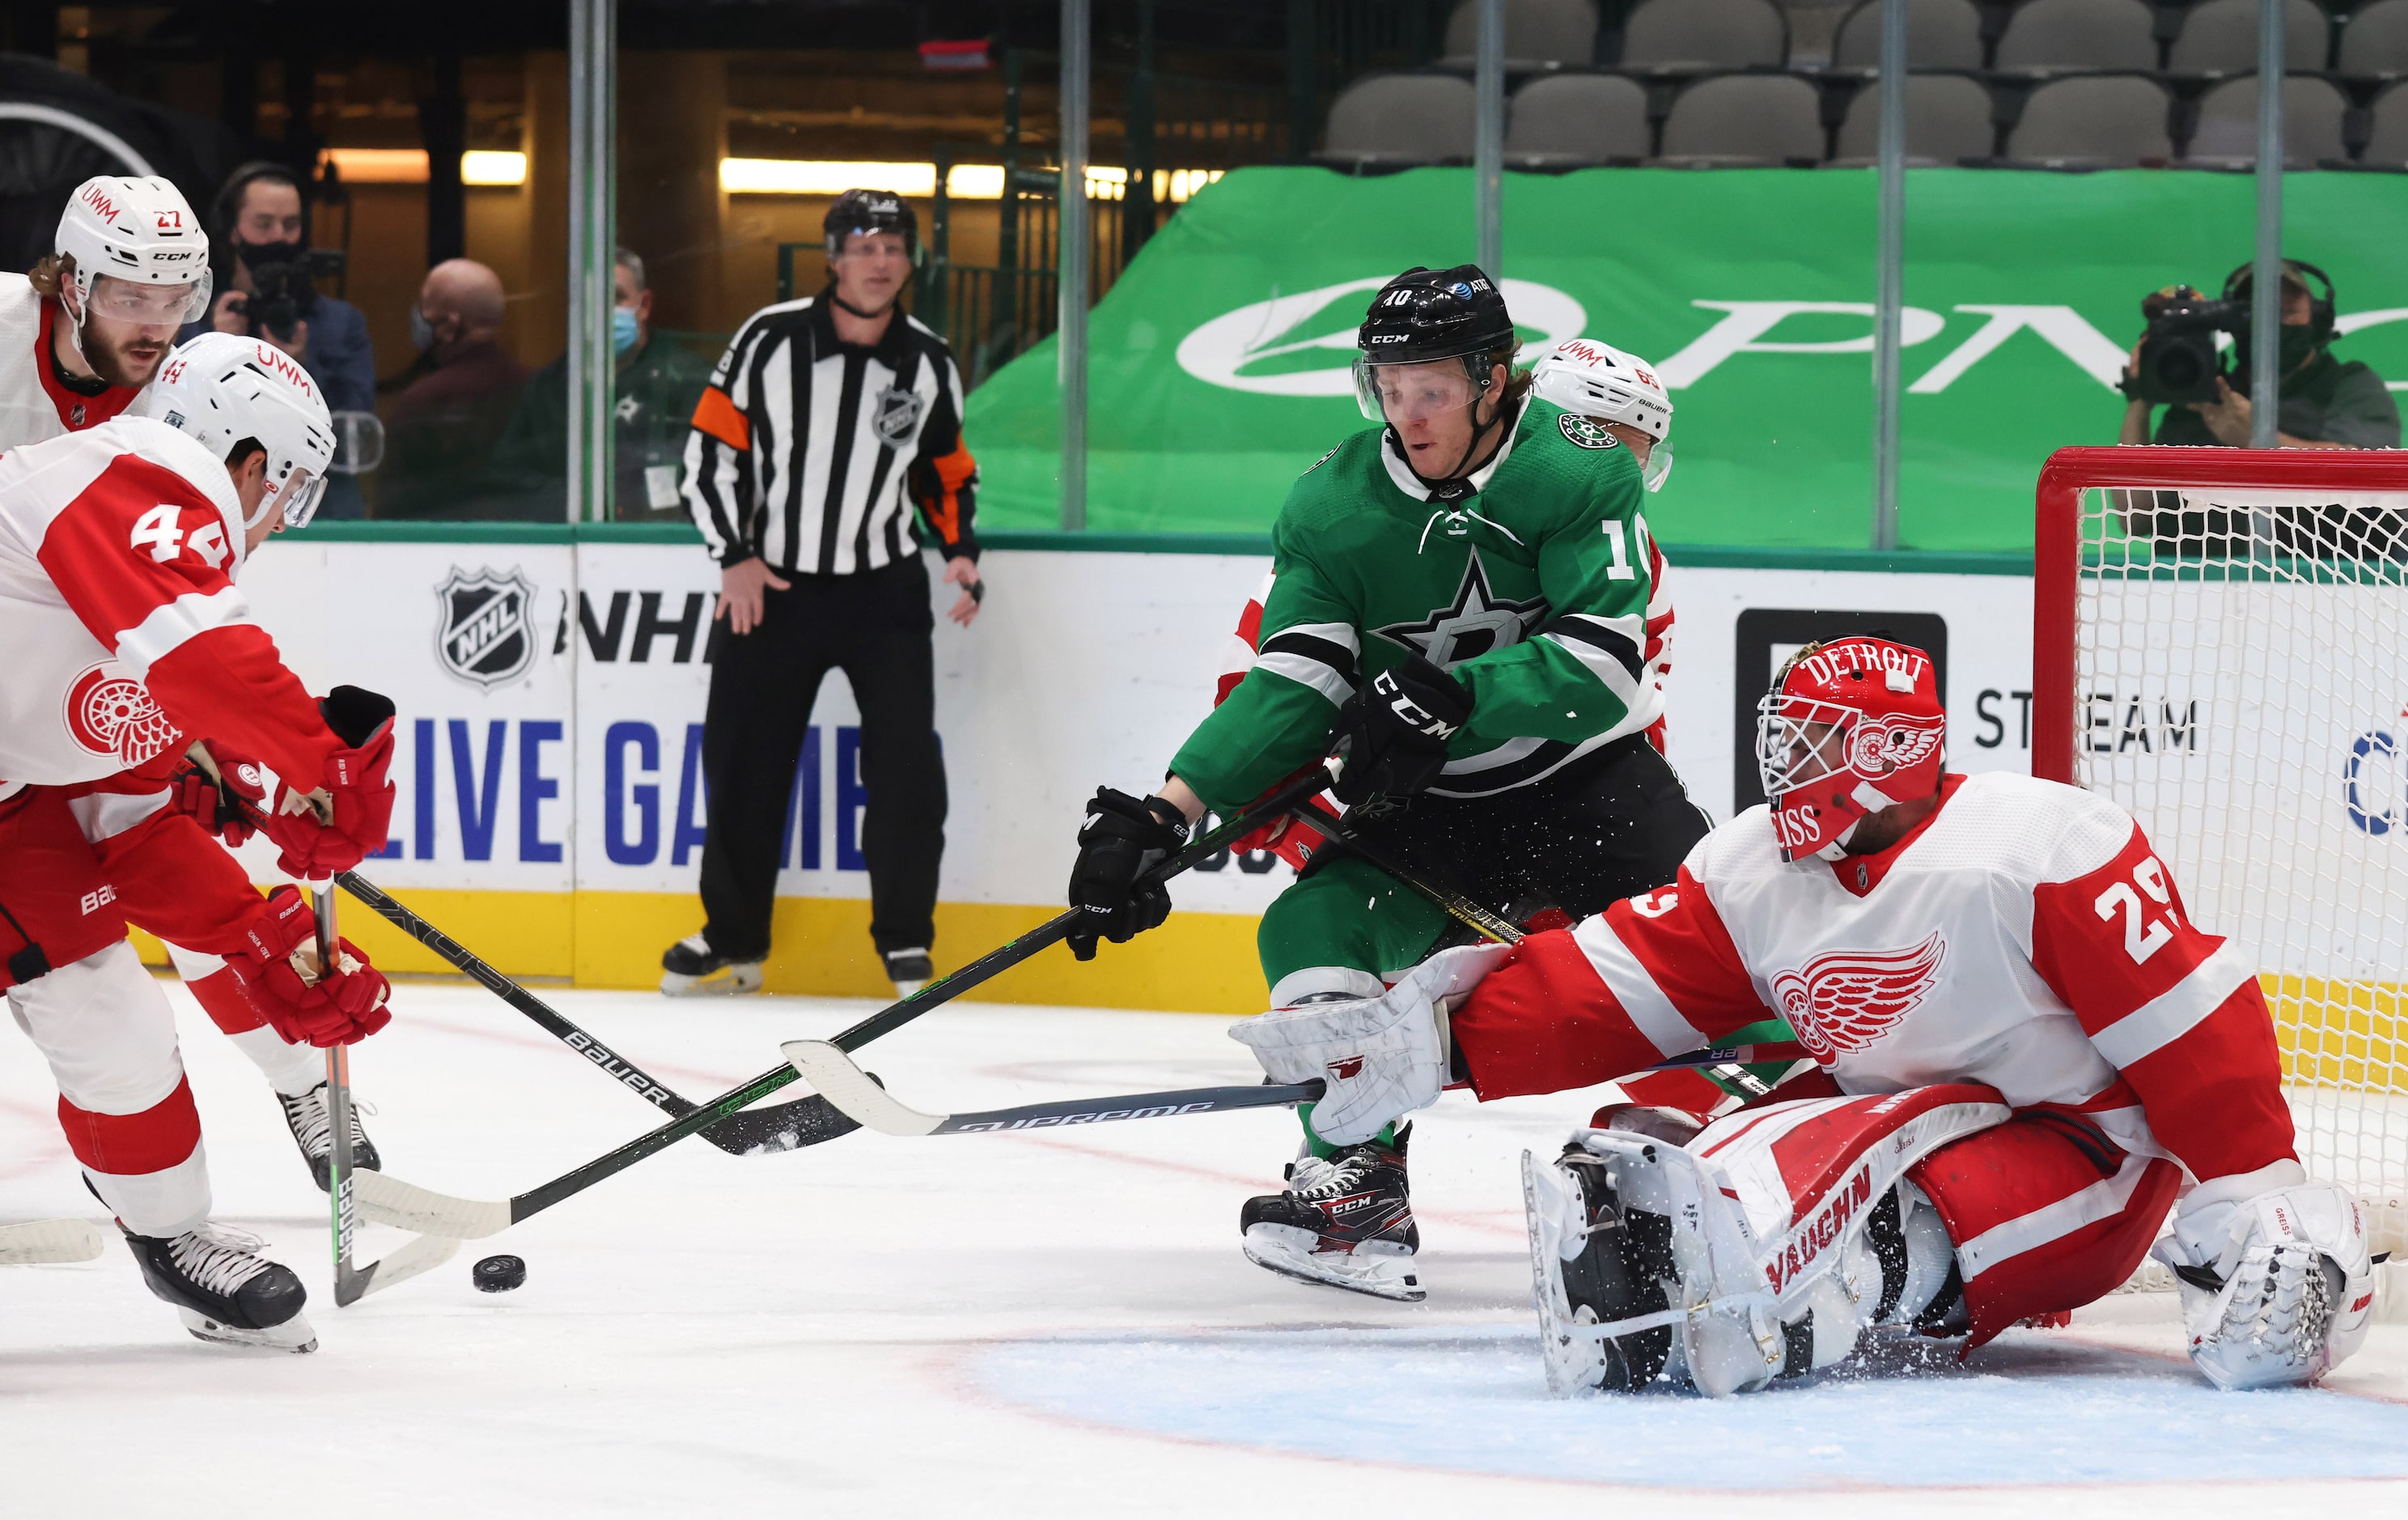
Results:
x,y
2109,121
1690,36
2053,37
2374,41
1744,120
1949,118
1397,120
1940,34
1539,33
2219,38
1567,119
2227,134
2387,145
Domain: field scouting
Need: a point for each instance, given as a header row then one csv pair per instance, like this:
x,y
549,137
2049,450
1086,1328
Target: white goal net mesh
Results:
x,y
2242,687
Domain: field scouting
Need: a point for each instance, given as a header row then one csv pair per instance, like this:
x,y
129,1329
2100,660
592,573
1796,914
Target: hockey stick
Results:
x,y
351,1282
42,1240
392,1202
784,1126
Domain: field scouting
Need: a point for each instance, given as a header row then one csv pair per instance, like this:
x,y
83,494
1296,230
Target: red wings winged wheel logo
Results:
x,y
1846,1000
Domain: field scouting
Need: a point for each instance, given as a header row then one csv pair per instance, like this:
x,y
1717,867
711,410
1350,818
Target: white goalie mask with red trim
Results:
x,y
1849,728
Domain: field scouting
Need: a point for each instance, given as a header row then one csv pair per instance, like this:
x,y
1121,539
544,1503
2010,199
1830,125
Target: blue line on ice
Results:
x,y
2029,1410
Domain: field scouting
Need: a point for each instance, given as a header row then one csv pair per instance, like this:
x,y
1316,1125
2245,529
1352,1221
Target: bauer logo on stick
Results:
x,y
482,632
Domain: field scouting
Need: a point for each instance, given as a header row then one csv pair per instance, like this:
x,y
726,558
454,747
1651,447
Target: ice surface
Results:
x,y
1057,1324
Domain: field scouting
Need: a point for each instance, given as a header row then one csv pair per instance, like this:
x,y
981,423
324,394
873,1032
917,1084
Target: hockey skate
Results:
x,y
1346,1221
908,969
226,1292
306,1116
691,968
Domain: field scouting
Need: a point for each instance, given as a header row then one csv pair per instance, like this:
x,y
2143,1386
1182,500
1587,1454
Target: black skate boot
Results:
x,y
313,1130
691,968
908,969
1614,1265
225,1290
1345,1221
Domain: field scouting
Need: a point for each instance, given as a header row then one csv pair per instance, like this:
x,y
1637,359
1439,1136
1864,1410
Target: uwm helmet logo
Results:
x,y
1846,1000
484,634
109,712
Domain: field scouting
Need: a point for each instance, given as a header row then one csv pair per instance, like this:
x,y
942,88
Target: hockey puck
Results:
x,y
498,1274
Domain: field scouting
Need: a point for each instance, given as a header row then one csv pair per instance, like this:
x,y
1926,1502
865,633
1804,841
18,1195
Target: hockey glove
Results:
x,y
1397,727
229,804
346,827
1292,838
278,970
1123,837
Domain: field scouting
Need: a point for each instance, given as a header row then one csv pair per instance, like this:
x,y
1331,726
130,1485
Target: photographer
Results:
x,y
270,292
2324,402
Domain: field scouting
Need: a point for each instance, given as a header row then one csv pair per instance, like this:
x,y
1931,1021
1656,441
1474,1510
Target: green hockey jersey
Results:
x,y
1540,590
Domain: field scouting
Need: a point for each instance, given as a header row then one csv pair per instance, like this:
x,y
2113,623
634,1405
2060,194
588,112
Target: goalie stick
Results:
x,y
770,1131
390,1200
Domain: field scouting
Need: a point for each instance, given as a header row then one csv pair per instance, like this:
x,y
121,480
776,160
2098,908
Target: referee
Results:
x,y
826,423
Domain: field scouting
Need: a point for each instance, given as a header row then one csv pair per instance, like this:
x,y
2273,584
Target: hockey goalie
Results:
x,y
2024,1055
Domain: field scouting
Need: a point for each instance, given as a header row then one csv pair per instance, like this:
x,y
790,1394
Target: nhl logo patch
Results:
x,y
1582,434
897,416
484,634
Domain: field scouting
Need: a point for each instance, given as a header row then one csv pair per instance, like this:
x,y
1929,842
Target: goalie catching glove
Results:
x,y
305,1004
1380,1058
2277,1285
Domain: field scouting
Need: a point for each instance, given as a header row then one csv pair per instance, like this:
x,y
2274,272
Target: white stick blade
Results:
x,y
387,1201
833,1076
422,1254
49,1241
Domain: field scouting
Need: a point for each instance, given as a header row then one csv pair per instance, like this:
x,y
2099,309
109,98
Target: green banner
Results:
x,y
1219,359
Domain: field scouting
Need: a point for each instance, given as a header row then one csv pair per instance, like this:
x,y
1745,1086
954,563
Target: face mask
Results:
x,y
2296,345
260,255
623,328
421,332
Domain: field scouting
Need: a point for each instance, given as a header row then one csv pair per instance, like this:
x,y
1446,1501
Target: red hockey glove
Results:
x,y
360,800
229,804
1292,838
278,970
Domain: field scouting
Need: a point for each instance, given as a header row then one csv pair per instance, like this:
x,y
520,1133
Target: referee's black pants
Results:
x,y
875,627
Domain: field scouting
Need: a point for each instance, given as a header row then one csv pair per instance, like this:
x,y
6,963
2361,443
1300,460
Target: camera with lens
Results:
x,y
2178,360
283,294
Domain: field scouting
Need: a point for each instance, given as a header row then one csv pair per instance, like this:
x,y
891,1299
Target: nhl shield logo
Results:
x,y
897,416
483,633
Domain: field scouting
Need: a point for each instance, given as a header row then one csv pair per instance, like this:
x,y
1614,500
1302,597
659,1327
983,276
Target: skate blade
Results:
x,y
293,1336
727,982
1394,1277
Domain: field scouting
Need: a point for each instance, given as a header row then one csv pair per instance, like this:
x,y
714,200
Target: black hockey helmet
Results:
x,y
1427,316
870,211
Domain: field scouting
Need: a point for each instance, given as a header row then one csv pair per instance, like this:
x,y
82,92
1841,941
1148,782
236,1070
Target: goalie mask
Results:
x,y
1849,728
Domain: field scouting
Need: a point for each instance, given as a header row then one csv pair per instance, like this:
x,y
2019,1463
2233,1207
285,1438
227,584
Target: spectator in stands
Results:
x,y
2325,403
440,431
657,385
260,223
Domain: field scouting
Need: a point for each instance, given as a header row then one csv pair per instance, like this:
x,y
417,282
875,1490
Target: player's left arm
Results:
x,y
1586,671
2176,1010
943,478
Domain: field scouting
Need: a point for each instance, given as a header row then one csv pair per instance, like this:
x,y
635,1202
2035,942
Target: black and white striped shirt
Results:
x,y
810,453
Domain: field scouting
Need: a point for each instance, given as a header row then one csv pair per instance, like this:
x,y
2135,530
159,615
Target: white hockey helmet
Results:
x,y
1590,379
222,388
140,232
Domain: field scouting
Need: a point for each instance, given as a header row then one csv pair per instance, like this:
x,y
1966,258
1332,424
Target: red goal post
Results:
x,y
2220,643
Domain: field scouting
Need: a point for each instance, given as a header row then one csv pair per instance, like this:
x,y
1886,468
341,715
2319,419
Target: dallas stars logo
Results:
x,y
1476,624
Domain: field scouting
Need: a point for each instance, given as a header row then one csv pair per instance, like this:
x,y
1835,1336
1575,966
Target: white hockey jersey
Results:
x,y
34,406
121,627
2025,936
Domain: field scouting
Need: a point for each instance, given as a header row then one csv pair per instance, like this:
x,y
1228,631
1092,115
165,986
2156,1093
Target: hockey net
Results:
x,y
2220,644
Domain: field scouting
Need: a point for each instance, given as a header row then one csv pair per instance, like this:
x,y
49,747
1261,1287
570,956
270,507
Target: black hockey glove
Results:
x,y
1122,839
1397,727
